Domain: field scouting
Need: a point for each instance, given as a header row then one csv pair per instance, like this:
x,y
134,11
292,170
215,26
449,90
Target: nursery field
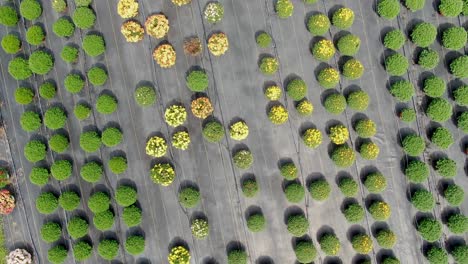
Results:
x,y
289,131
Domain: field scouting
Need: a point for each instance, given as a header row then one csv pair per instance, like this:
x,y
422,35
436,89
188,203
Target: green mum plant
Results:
x,y
99,202
69,54
430,229
77,227
407,115
461,95
30,121
284,8
305,252
335,103
343,156
117,164
106,104
135,245
108,249
18,68
197,81
388,9
450,8
454,195
348,187
294,192
59,143
358,100
320,190
131,215
145,96
396,64
462,122
47,90
328,77
386,239
82,250
354,213
330,244
69,200
459,67
243,159
353,69
460,253
74,83
84,17
442,138
51,232
457,223
30,9
423,200
35,35
91,171
423,34
11,44
428,59
8,16
349,44
439,110
417,171
434,86
297,225
34,151
125,195
111,136
414,5
343,18
250,188
39,176
263,40
90,141
63,27
437,255
256,222
454,38
365,128
269,65
57,254
394,39
375,182
41,62
93,45
82,111
24,95
103,220
97,76
413,145
213,131
296,89
189,197
46,203
318,24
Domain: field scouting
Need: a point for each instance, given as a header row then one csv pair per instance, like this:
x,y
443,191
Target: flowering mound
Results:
x,y
7,202
162,174
239,130
127,8
218,44
19,256
201,107
165,55
132,31
156,147
179,255
157,25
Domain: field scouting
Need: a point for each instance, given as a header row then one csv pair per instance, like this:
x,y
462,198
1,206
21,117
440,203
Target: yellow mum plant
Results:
x,y
239,130
273,93
339,134
175,115
127,8
278,114
162,174
218,44
369,151
179,255
157,26
181,3
305,108
165,55
156,147
132,31
201,107
312,138
181,140
323,50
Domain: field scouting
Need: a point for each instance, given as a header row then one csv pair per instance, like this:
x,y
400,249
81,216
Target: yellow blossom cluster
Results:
x,y
181,2
157,25
239,130
132,31
362,244
218,44
165,55
181,140
369,151
305,108
278,114
269,65
175,115
201,107
312,138
179,255
331,75
162,174
273,93
344,17
127,8
323,50
156,147
339,134
380,211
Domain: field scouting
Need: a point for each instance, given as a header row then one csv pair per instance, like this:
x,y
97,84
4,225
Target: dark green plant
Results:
x,y
256,222
365,128
263,40
318,24
402,90
430,229
213,131
330,244
35,35
305,252
407,115
390,260
125,195
238,256
97,76
40,62
414,5
437,255
18,68
343,156
386,239
462,122
57,254
135,245
51,232
442,138
30,121
460,254
328,77
61,170
413,145
103,220
298,225
423,200
354,213
47,90
375,182
319,190
296,89
189,197
380,211
439,110
106,104
131,215
30,9
82,250
99,202
59,143
11,44
417,171
108,249
454,38
394,39
335,103
358,100
8,16
454,194
288,171
69,200
423,34
84,17
34,151
353,69
348,187
63,27
428,59
91,171
243,159
145,96
349,44
82,111
434,86
396,64
388,9
77,227
268,65
459,67
461,95
294,192
39,176
450,8
118,164
343,18
90,141
250,188
197,81
74,83
69,54
457,223
93,45
111,136
46,203
55,118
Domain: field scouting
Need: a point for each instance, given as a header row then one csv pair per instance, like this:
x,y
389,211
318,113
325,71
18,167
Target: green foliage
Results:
x,y
118,165
69,200
58,143
442,138
51,232
462,122
39,176
135,245
386,239
297,225
269,65
417,171
335,103
82,250
365,128
103,220
238,256
450,8
428,59
108,249
256,222
250,188
90,141
63,27
396,64
57,254
11,44
461,95
131,215
91,171
106,104
330,244
465,8
189,197
353,69
454,195
407,115
40,62
93,45
213,131
423,200
354,213
59,6
388,9
328,77
296,89
423,34
83,2
460,254
457,223
8,16
84,17
82,111
437,255
30,9
284,8
19,68
430,229
394,39
263,40
358,100
380,211
318,24
343,156
55,118
47,90
69,54
319,190
348,187
34,151
61,170
30,121
413,145
305,252
414,5
145,96
434,86
125,195
288,171
111,136
439,110
343,18
459,67
74,83
97,76
349,44
243,159
454,38
294,192
35,35
375,182
77,227
390,260
323,50
197,81
99,202
46,203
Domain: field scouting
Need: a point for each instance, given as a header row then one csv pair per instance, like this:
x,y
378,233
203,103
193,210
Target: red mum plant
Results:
x,y
7,202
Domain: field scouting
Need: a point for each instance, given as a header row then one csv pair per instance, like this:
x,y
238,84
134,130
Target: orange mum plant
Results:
x,y
165,55
157,26
132,31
